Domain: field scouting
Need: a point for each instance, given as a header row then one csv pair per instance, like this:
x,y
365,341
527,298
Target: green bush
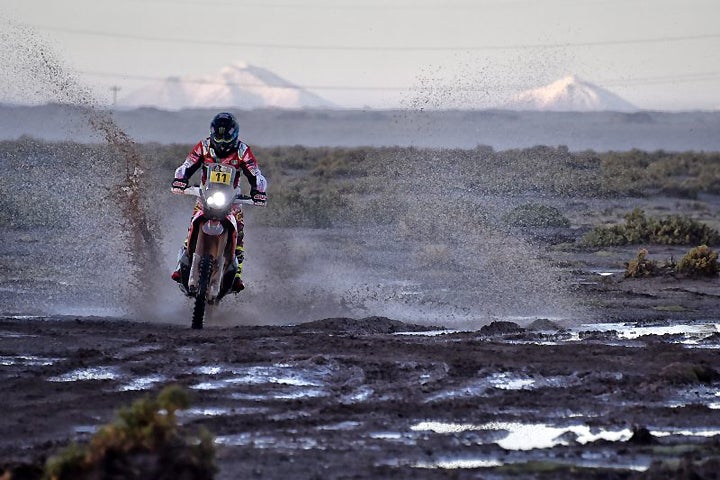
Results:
x,y
144,442
672,230
699,262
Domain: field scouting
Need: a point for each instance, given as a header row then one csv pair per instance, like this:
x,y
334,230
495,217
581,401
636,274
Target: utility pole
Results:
x,y
114,89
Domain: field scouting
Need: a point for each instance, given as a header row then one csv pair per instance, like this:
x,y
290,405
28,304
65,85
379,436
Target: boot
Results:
x,y
238,284
182,259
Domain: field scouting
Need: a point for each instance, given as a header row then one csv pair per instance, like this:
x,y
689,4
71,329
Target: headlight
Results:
x,y
217,199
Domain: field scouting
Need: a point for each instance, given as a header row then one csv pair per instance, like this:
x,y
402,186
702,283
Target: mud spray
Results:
x,y
33,72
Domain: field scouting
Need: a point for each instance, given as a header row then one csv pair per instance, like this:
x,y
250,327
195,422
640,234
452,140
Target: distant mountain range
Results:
x,y
240,86
247,87
569,94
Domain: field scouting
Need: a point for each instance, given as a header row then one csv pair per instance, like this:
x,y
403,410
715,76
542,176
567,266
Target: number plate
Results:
x,y
221,174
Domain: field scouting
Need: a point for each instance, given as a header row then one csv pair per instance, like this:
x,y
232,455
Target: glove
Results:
x,y
179,185
258,198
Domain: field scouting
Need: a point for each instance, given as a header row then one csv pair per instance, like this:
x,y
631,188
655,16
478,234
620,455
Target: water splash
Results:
x,y
34,73
437,237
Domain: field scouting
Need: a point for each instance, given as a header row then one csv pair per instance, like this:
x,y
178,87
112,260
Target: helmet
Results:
x,y
224,131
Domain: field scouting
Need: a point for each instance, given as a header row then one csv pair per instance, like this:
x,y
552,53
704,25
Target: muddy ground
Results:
x,y
377,398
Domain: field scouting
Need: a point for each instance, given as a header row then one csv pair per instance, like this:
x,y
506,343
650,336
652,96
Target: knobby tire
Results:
x,y
203,282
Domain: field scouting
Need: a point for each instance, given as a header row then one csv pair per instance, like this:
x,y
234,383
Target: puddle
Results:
x,y
91,373
429,333
605,272
442,427
282,395
214,370
308,382
195,412
508,381
85,429
697,432
522,436
697,395
26,317
632,331
459,463
388,435
360,395
715,405
341,426
287,442
501,381
299,395
8,334
142,383
531,436
27,361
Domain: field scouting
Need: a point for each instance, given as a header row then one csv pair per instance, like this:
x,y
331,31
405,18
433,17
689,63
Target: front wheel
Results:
x,y
203,282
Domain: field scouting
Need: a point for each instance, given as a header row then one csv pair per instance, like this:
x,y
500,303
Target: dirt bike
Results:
x,y
208,268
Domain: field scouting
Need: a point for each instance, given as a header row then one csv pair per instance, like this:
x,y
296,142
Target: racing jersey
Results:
x,y
242,159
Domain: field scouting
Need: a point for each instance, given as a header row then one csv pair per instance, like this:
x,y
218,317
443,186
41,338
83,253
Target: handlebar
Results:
x,y
239,199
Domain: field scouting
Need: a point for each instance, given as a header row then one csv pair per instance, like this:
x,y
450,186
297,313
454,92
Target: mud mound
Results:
x,y
362,326
500,328
543,324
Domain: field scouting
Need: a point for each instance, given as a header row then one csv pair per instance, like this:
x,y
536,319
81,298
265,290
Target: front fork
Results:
x,y
213,245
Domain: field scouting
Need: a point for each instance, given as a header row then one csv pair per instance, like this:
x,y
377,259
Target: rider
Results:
x,y
223,146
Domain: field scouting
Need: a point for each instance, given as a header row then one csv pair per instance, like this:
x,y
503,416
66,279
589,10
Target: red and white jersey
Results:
x,y
243,159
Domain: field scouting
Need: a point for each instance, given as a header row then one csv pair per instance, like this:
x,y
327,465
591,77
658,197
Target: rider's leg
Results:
x,y
238,284
182,258
183,254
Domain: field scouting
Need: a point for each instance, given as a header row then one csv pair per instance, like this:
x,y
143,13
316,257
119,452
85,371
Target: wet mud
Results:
x,y
378,398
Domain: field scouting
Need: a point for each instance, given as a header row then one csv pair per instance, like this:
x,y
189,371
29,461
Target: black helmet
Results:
x,y
224,131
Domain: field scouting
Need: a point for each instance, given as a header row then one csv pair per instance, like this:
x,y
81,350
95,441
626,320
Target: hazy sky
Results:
x,y
657,54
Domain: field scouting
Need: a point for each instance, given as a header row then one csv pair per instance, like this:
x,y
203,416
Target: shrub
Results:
x,y
144,442
699,262
672,230
641,266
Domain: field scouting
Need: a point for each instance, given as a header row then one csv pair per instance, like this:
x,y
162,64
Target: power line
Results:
x,y
687,78
328,6
287,46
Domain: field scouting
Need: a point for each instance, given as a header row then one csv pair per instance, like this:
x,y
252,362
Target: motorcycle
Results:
x,y
208,268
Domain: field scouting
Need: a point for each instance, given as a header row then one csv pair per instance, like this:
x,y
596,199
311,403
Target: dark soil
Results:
x,y
348,398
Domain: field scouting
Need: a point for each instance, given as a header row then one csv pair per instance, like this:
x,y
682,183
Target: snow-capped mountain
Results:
x,y
240,86
569,94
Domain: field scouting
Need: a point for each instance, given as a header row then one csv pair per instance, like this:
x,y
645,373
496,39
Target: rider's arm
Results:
x,y
251,170
192,162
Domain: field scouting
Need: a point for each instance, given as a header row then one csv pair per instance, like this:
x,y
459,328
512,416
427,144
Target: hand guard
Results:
x,y
179,185
258,198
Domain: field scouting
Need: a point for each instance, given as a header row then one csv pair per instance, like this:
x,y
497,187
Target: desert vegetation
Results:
x,y
323,187
698,262
145,441
642,229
